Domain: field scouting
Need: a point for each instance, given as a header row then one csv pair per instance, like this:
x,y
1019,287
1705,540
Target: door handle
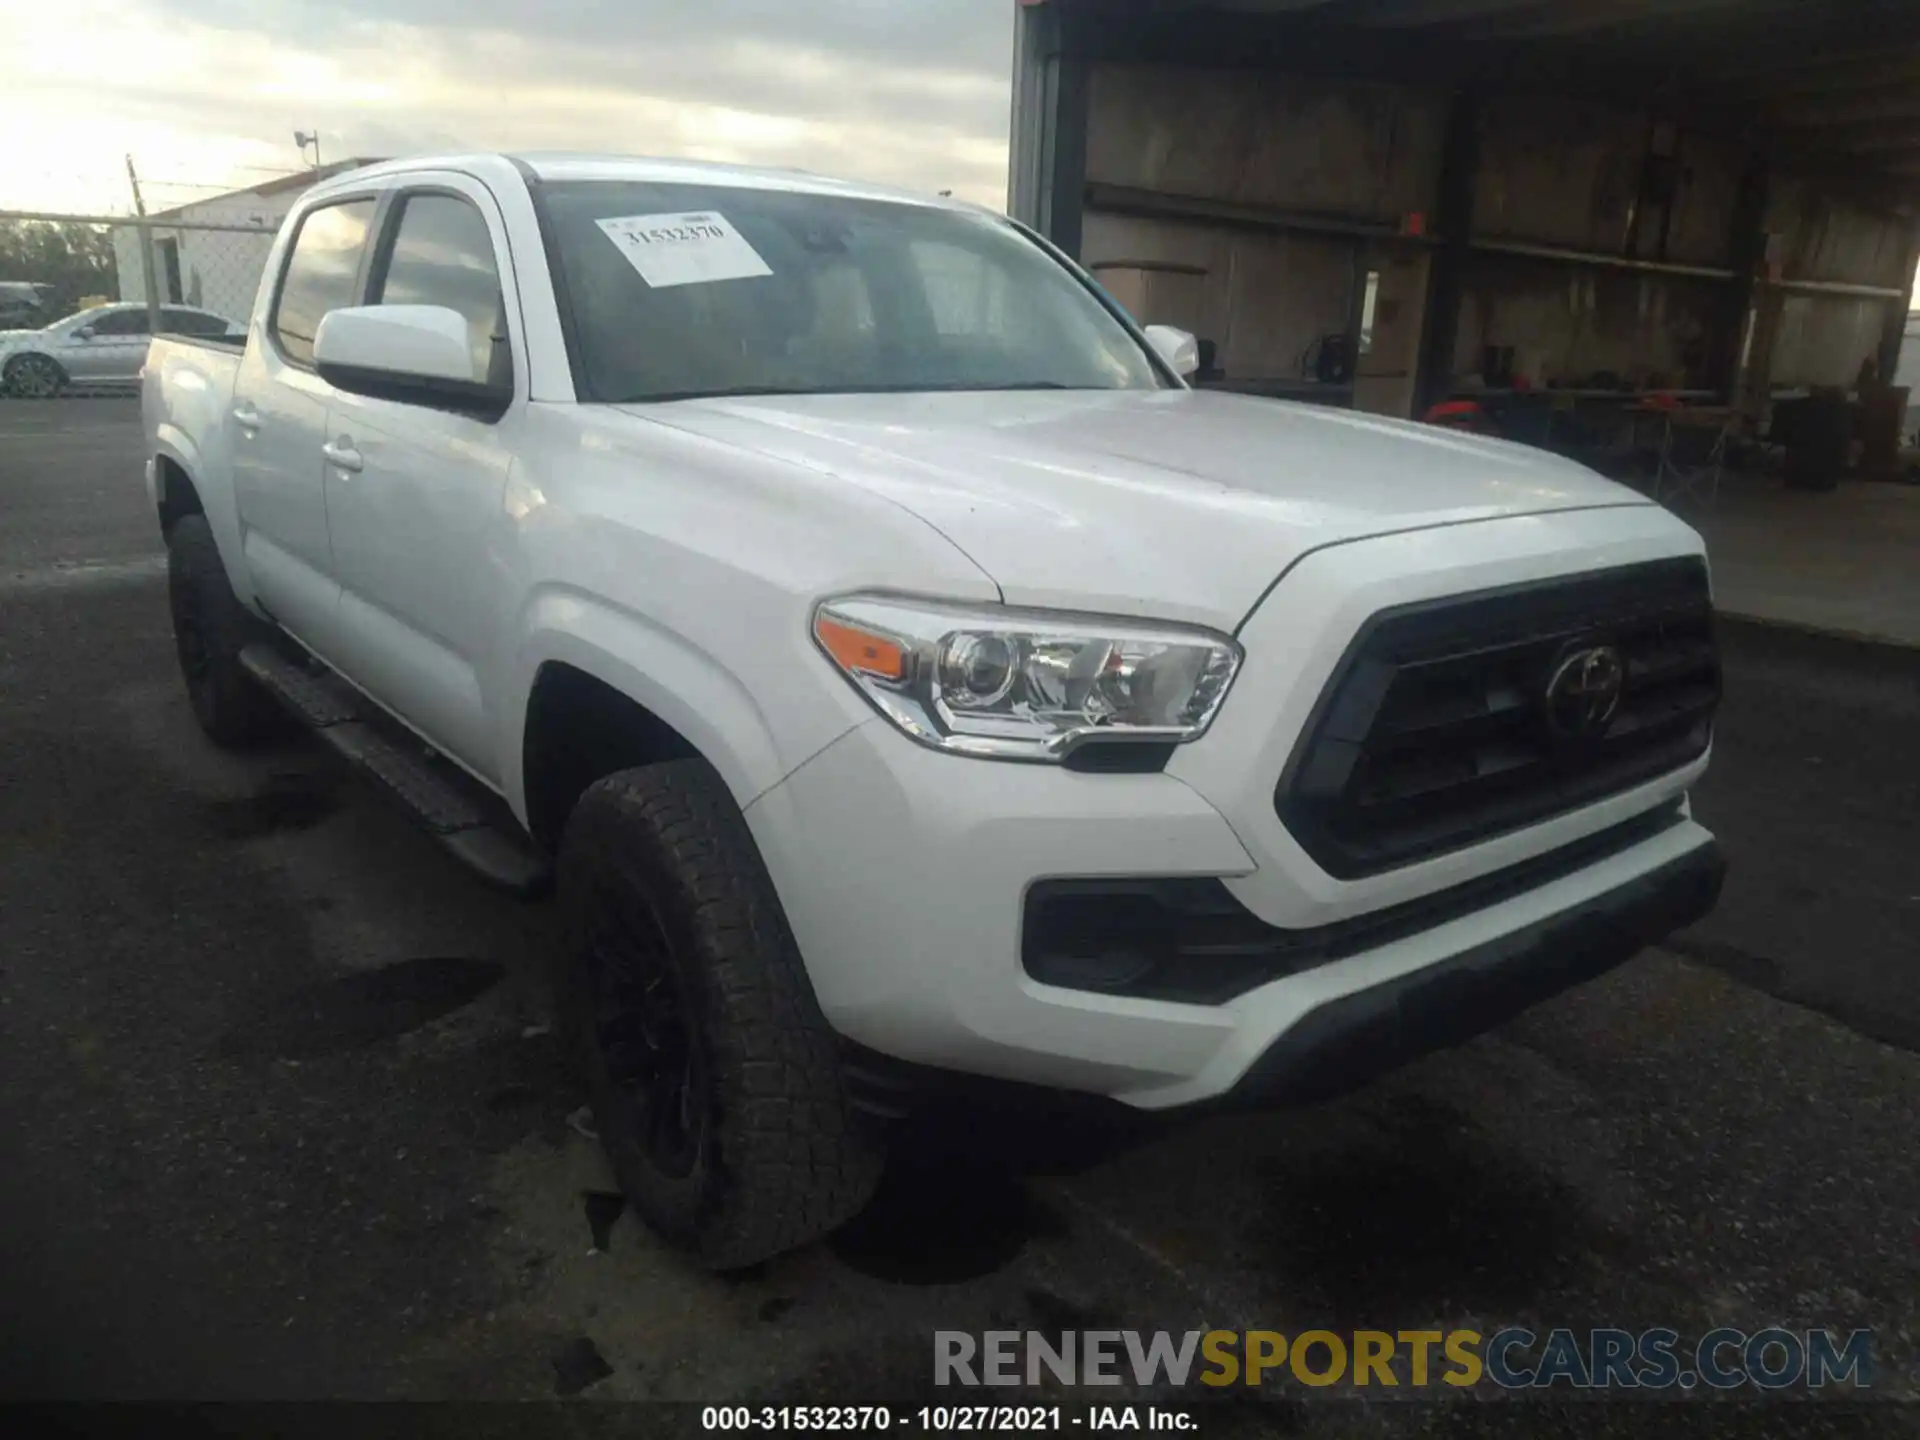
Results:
x,y
246,417
340,453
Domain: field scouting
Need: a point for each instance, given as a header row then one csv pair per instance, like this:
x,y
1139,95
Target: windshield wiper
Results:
x,y
1019,385
731,392
727,392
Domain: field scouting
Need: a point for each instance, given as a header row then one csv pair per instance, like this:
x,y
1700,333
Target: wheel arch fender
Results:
x,y
177,460
666,674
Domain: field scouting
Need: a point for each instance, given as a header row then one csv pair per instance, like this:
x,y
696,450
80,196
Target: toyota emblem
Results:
x,y
1584,694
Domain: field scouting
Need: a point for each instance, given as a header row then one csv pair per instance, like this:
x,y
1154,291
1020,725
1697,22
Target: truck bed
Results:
x,y
205,342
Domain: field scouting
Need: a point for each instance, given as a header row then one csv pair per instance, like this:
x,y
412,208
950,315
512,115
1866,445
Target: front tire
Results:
x,y
210,627
34,377
714,1078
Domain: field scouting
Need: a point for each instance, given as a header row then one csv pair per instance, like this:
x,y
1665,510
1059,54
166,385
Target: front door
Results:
x,y
109,349
414,493
279,423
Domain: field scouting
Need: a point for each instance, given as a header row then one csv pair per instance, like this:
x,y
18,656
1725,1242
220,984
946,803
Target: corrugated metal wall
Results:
x,y
1821,339
1550,172
1313,148
1828,239
1302,144
1568,174
1263,298
1569,323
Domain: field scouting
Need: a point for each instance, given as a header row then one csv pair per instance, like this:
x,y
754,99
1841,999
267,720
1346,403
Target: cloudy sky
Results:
x,y
206,94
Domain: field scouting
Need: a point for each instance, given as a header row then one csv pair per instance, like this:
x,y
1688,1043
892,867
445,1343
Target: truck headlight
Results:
x,y
1025,685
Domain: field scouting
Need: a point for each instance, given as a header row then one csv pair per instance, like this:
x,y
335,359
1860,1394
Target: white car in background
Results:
x,y
103,346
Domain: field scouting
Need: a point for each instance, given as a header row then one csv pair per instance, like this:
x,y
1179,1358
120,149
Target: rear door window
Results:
x,y
320,274
121,323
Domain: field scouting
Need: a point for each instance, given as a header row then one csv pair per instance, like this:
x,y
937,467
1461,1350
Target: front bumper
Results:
x,y
1345,1042
905,875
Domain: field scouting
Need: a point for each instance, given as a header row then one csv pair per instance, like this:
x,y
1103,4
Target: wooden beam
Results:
x,y
1887,140
1747,245
1413,14
1874,111
1453,216
1584,17
1764,71
1562,255
1850,76
1170,205
1893,334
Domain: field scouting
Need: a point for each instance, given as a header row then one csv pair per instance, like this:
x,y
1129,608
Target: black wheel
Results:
x,y
209,629
715,1080
34,377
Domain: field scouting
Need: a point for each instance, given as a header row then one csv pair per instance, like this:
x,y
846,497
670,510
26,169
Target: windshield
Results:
x,y
679,291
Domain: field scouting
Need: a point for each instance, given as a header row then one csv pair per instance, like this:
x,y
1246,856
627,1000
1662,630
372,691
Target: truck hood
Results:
x,y
1175,504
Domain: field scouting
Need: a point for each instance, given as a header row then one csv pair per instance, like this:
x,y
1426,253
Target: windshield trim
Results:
x,y
557,282
1079,272
761,392
581,380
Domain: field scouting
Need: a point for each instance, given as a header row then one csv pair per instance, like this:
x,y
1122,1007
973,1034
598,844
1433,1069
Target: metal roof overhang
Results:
x,y
1831,86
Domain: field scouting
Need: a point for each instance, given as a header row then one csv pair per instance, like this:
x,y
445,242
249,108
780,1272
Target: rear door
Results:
x,y
420,494
280,420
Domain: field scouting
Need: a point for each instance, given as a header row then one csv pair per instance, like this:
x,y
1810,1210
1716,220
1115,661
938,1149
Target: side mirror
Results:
x,y
1177,347
85,332
416,354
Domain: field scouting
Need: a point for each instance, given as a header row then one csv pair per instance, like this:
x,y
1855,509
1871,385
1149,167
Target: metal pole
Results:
x,y
1453,219
145,232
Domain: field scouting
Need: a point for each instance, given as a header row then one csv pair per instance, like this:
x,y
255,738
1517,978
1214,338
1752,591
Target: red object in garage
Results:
x,y
1453,412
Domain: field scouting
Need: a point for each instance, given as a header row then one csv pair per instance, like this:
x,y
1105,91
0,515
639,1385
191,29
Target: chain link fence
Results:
x,y
81,295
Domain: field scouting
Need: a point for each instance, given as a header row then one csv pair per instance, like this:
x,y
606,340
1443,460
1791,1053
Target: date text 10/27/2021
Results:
x,y
947,1419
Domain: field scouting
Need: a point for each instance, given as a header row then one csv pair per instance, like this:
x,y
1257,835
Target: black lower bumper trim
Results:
x,y
1188,939
1346,1042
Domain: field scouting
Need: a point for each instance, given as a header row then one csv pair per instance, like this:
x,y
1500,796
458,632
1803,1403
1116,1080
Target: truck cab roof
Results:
x,y
572,165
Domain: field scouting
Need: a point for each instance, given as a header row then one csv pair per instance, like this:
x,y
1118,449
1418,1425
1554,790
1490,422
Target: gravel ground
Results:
x,y
280,1117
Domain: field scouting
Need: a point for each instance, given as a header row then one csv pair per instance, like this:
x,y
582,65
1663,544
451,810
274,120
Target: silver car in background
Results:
x,y
104,346
23,304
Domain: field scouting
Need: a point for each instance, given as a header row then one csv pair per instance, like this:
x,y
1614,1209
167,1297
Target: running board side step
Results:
x,y
441,803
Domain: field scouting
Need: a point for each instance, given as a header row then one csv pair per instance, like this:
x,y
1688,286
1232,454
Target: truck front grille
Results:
x,y
1449,722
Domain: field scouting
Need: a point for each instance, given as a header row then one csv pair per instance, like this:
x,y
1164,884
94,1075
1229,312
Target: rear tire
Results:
x,y
714,1078
34,377
210,627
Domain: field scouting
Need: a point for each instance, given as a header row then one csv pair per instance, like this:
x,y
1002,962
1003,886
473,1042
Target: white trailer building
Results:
x,y
215,269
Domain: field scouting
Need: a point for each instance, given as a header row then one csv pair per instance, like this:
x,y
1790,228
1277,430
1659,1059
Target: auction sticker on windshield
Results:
x,y
695,248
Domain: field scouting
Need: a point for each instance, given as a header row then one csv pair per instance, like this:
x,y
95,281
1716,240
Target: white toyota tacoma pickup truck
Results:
x,y
905,676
